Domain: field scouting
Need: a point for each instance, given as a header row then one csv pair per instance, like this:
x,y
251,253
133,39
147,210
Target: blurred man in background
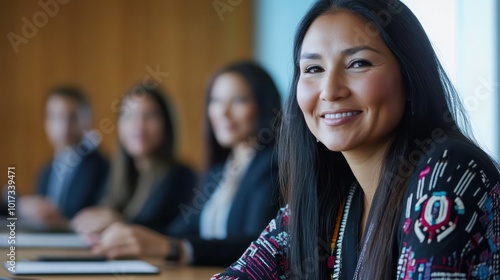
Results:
x,y
75,177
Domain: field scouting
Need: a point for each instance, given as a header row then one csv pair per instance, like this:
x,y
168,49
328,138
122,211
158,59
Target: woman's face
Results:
x,y
140,127
232,111
351,94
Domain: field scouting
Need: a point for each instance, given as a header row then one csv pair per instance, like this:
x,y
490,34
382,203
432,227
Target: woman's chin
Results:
x,y
335,146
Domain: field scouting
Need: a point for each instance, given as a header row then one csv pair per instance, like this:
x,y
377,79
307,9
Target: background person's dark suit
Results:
x,y
84,187
162,205
255,203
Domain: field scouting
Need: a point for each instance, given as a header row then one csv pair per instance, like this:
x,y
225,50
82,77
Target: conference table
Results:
x,y
167,270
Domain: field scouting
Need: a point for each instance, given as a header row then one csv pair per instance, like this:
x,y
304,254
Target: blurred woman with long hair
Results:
x,y
148,183
239,192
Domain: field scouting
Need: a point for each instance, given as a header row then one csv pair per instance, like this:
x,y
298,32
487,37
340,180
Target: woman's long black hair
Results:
x,y
265,95
315,180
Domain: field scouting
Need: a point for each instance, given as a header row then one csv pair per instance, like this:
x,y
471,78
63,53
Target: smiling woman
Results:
x,y
366,200
351,95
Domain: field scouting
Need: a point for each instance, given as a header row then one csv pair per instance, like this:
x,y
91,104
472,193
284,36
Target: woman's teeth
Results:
x,y
341,115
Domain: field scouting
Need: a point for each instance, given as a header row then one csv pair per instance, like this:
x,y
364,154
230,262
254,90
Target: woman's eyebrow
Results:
x,y
346,52
310,56
353,50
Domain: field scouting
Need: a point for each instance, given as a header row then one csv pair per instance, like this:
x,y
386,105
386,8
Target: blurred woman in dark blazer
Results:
x,y
147,182
239,192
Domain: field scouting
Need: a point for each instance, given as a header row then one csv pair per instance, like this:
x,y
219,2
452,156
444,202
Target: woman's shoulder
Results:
x,y
181,167
454,172
447,217
177,173
264,162
453,155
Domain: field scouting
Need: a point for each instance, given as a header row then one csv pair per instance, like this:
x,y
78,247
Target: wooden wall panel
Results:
x,y
106,47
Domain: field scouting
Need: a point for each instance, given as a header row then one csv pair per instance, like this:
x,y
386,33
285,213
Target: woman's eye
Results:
x,y
240,100
213,100
151,115
313,69
359,64
123,114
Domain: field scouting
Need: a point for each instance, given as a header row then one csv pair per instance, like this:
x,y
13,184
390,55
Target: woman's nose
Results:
x,y
334,87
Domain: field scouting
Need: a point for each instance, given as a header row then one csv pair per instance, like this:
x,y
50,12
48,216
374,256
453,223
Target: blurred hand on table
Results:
x,y
94,220
39,208
125,241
